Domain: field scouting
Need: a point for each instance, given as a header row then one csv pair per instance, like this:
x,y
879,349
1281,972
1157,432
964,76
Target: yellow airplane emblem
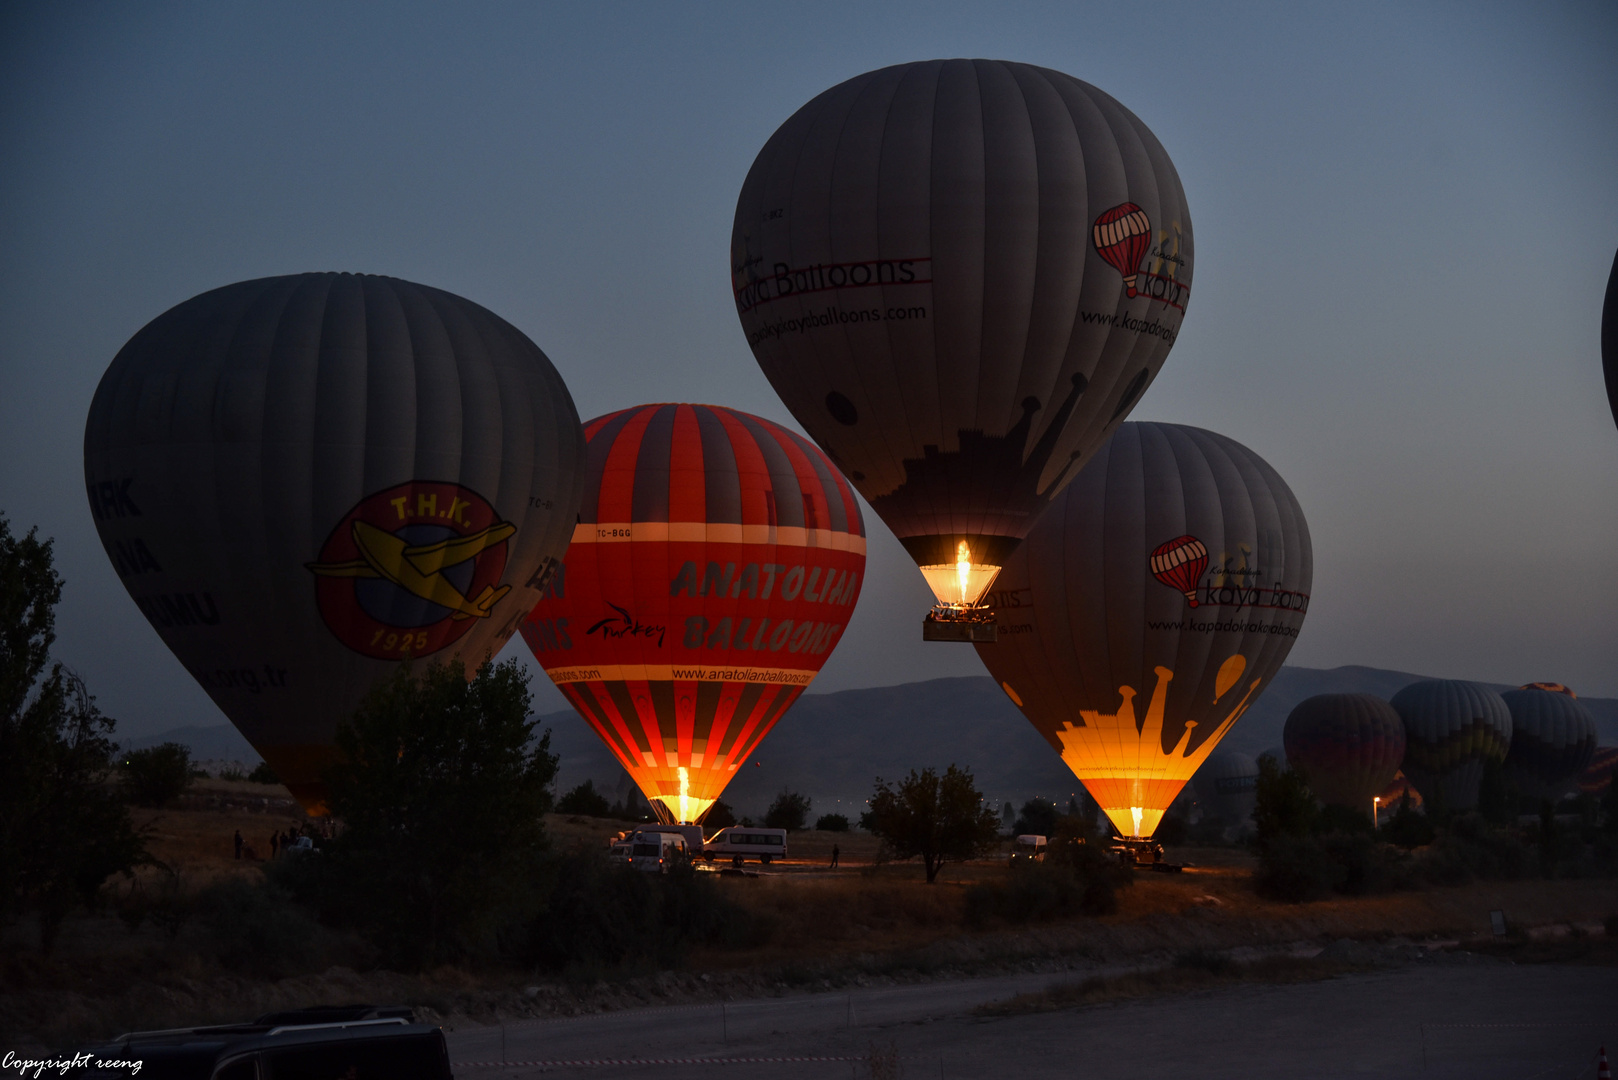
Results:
x,y
419,569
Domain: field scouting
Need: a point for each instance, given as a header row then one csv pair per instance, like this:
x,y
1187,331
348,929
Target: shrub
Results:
x,y
256,929
1408,828
1296,869
600,916
586,800
719,816
157,775
831,823
789,811
1285,807
263,774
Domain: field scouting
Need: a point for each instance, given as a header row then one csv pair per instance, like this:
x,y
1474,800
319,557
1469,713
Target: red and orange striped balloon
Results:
x,y
715,563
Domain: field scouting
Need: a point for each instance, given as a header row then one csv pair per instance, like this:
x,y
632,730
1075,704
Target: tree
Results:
x,y
63,831
155,776
585,800
789,811
263,774
940,818
1284,806
442,789
831,823
1038,818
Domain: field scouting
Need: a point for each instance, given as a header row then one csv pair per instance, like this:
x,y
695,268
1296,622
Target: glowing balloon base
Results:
x,y
1134,794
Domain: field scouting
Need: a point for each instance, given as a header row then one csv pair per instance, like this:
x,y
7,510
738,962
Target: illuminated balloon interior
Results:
x,y
961,584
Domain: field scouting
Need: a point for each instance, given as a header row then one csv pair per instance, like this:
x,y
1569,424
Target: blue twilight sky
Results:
x,y
1405,216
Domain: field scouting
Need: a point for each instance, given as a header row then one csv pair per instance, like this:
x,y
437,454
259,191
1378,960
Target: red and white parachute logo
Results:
x,y
1179,564
1122,236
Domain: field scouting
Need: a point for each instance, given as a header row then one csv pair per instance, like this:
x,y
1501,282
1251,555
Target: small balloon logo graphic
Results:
x,y
411,569
1179,563
1122,236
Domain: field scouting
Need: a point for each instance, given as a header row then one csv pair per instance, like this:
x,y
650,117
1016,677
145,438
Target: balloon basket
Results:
x,y
972,625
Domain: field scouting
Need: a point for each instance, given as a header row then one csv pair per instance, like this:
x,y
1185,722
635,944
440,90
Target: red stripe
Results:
x,y
751,466
618,476
593,426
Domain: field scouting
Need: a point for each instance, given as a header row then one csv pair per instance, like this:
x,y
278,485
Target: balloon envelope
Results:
x,y
1451,728
1347,746
960,275
1129,682
715,563
1609,338
1553,738
305,480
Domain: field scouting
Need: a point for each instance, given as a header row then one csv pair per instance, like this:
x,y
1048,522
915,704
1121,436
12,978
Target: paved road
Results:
x,y
1424,1020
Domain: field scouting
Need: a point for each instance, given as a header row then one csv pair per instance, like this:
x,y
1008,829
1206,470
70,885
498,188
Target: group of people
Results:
x,y
281,840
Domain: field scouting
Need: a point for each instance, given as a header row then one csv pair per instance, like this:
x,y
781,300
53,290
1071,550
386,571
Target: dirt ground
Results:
x,y
865,924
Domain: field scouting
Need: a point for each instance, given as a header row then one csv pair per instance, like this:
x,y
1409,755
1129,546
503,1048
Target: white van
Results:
x,y
655,852
1029,848
740,842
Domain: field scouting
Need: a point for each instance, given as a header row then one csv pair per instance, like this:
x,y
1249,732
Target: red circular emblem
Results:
x,y
411,569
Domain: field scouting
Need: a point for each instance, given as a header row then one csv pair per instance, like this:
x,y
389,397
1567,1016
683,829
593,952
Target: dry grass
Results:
x,y
864,923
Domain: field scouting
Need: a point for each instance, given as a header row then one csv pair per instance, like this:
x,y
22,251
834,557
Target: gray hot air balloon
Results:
x,y
1147,609
1451,728
1347,746
1553,739
1227,787
304,480
960,275
1609,338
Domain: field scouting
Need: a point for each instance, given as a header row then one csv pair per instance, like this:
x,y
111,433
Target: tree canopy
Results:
x,y
442,791
940,818
63,831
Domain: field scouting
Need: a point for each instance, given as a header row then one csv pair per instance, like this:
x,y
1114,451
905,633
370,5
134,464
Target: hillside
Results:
x,y
832,746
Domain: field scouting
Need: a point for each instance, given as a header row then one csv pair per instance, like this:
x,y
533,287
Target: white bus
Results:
x,y
741,842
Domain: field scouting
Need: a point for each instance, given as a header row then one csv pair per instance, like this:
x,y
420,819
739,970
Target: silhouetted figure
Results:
x,y
835,851
275,844
238,843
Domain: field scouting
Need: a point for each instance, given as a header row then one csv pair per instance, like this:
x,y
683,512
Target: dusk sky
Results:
x,y
1404,214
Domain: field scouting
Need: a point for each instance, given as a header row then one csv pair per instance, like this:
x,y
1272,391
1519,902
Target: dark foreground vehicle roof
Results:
x,y
352,1042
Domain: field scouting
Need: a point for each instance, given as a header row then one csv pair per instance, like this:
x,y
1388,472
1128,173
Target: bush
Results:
x,y
831,823
1284,807
1296,869
719,816
1408,828
585,800
263,774
256,929
1173,829
599,916
157,775
789,811
1078,877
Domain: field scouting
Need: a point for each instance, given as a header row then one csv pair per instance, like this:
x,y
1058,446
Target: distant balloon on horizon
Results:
x,y
306,481
960,276
1128,682
1553,739
1347,746
1452,727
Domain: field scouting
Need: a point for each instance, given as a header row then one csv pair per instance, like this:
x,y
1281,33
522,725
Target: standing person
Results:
x,y
835,851
275,843
238,843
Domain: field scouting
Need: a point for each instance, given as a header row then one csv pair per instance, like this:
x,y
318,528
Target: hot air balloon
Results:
x,y
1609,338
960,275
715,563
1347,746
1553,738
1125,679
304,481
1451,728
1227,787
1598,775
